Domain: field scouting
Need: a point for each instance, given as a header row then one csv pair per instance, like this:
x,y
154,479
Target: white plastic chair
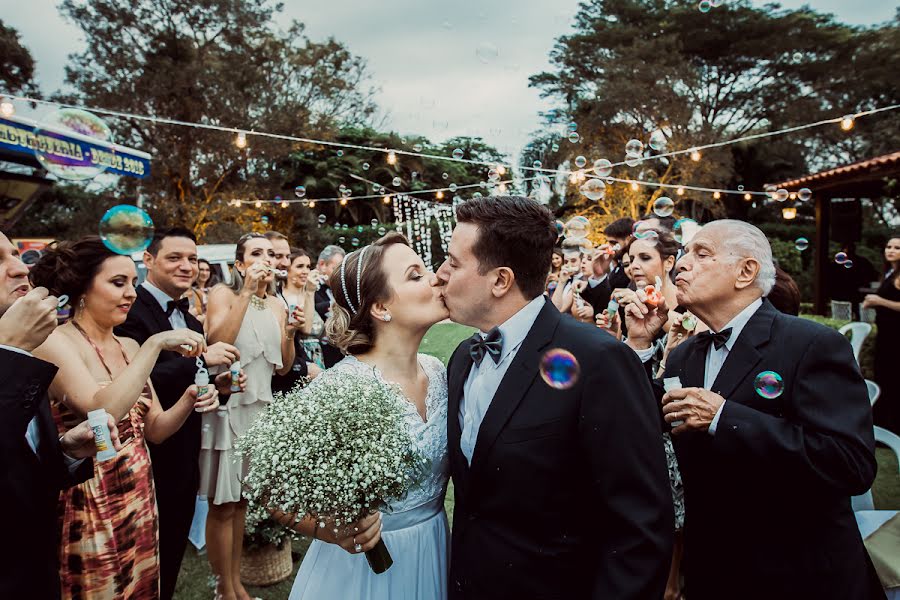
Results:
x,y
864,502
874,391
858,334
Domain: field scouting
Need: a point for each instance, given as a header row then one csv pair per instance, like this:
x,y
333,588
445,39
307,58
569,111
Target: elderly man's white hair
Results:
x,y
744,240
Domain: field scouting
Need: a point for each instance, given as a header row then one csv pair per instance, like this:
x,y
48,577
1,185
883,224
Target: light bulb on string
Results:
x,y
439,195
312,203
717,195
392,158
284,204
793,196
634,186
748,197
7,109
386,200
847,122
573,178
695,155
680,191
241,140
343,202
258,204
501,170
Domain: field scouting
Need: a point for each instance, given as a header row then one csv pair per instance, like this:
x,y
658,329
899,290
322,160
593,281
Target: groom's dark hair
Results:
x,y
513,232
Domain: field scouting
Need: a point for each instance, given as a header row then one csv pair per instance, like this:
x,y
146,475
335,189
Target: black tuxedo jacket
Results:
x,y
618,279
767,498
30,483
176,466
598,296
330,355
568,494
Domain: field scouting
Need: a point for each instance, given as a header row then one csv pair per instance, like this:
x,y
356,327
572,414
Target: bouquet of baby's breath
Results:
x,y
335,451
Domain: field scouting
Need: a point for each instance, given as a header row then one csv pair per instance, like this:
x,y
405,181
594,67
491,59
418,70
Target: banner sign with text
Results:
x,y
72,150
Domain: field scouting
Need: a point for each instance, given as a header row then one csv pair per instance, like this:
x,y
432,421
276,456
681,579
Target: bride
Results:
x,y
384,303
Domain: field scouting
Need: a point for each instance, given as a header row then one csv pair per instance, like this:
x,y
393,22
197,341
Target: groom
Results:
x,y
560,493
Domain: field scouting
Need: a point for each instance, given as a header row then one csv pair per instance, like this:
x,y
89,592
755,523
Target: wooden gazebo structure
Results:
x,y
863,179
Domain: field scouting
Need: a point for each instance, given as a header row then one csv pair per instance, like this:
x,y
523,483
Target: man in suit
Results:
x,y
768,466
302,367
617,234
329,259
35,461
560,493
171,261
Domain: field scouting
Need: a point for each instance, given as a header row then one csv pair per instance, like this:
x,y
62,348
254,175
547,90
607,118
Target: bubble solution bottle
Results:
x,y
201,380
98,420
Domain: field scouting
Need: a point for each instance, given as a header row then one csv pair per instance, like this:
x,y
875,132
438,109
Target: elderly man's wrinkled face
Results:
x,y
707,272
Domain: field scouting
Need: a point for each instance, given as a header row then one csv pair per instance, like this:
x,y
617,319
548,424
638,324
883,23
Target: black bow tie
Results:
x,y
706,338
492,344
183,305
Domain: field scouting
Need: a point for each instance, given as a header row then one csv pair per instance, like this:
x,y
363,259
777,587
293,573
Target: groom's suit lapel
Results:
x,y
516,381
461,367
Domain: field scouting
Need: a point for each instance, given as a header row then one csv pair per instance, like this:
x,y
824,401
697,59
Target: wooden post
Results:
x,y
823,228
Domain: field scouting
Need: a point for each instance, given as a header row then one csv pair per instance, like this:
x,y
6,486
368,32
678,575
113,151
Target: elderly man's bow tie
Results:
x,y
706,338
492,344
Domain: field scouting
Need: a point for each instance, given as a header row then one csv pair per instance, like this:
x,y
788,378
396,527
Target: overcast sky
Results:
x,y
422,54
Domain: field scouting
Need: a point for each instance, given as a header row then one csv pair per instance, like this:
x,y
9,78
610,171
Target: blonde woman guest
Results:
x,y
300,290
199,292
250,316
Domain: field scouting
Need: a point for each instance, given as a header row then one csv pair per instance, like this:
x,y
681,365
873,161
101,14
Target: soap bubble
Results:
x,y
559,369
663,207
560,229
339,153
801,244
453,187
704,6
574,137
634,147
486,52
373,223
593,189
804,194
126,229
554,147
365,166
322,219
396,181
848,264
658,141
458,153
632,160
577,228
382,231
781,194
684,229
602,167
445,176
740,188
537,164
840,258
418,147
769,385
300,191
572,126
354,242
580,161
65,160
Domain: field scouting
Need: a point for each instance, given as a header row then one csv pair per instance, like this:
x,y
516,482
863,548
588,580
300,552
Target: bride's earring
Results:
x,y
386,318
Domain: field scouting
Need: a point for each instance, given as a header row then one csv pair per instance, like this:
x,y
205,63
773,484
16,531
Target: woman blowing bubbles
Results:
x,y
249,315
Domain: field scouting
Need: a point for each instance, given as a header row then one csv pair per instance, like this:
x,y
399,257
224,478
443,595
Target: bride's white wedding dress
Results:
x,y
415,528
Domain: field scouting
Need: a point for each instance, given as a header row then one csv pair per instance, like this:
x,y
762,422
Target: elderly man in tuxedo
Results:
x,y
35,461
773,431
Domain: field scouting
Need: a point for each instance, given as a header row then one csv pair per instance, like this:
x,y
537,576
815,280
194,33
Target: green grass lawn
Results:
x,y
442,339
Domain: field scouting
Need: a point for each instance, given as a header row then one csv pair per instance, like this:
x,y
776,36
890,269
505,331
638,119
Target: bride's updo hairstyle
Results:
x,y
351,328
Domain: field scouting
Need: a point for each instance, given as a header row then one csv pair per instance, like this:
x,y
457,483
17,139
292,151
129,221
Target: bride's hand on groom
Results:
x,y
358,537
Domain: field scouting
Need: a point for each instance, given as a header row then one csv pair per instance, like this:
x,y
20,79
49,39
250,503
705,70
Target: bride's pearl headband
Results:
x,y
359,269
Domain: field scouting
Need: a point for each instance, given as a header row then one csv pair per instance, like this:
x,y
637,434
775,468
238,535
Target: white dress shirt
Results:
x,y
32,435
483,380
716,358
176,319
